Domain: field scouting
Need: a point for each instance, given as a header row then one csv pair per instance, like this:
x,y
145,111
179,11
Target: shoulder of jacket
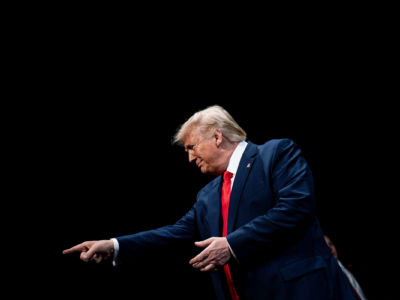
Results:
x,y
276,142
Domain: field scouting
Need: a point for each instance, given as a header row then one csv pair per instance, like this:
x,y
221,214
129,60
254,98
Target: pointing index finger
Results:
x,y
78,248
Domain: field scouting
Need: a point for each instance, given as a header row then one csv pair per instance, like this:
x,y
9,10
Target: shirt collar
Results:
x,y
236,156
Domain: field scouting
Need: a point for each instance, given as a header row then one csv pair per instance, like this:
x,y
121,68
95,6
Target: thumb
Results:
x,y
89,254
205,243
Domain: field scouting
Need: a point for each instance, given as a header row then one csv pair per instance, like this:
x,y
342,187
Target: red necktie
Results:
x,y
225,196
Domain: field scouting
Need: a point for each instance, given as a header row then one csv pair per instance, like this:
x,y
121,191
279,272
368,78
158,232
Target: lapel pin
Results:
x,y
248,165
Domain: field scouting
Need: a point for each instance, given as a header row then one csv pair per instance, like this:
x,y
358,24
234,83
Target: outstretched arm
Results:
x,y
135,245
93,250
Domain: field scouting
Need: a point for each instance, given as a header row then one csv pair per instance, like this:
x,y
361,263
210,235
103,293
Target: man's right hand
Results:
x,y
93,250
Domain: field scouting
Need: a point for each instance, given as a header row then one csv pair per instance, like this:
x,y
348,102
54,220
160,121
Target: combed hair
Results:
x,y
206,121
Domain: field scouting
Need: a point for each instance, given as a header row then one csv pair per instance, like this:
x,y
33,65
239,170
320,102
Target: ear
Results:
x,y
218,137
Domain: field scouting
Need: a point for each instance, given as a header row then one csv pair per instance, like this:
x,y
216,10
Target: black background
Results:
x,y
111,170
108,99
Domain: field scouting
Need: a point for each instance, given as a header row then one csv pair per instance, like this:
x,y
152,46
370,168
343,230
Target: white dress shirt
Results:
x,y
233,165
234,161
352,281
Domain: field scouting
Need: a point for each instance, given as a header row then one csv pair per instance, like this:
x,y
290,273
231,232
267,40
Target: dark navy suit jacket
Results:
x,y
272,229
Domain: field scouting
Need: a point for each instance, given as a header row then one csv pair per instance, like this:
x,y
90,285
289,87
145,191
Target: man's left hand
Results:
x,y
215,255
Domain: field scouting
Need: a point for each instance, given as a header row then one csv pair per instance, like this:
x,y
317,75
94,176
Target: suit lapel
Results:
x,y
243,171
214,209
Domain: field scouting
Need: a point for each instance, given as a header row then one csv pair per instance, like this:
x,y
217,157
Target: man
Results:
x,y
256,220
353,281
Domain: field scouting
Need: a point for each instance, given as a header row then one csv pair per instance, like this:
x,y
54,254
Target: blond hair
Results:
x,y
208,120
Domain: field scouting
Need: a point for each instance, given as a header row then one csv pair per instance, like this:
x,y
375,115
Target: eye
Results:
x,y
189,147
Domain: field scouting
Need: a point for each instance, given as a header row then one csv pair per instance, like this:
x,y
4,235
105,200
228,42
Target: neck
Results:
x,y
226,154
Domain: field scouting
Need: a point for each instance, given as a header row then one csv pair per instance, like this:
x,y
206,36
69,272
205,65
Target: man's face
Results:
x,y
202,151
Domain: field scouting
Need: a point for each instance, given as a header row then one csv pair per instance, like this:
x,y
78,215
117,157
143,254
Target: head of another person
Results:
x,y
209,137
331,246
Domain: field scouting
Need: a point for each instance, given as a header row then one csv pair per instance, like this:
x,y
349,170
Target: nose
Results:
x,y
191,155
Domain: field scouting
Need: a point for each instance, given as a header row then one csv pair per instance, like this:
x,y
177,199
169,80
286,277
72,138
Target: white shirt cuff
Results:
x,y
116,250
233,253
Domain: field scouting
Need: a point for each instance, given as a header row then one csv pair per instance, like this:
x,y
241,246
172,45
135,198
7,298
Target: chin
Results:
x,y
209,172
205,170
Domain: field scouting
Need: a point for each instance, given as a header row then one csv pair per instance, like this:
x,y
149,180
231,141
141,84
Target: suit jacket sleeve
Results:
x,y
293,210
135,246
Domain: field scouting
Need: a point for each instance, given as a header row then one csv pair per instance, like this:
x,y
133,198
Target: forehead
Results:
x,y
192,135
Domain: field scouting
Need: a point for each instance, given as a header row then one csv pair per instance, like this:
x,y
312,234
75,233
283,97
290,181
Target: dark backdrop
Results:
x,y
97,138
109,169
